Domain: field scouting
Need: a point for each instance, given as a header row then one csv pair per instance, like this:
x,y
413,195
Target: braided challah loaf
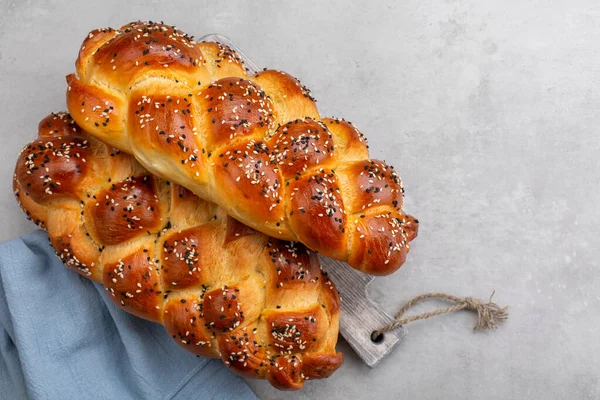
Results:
x,y
256,145
220,288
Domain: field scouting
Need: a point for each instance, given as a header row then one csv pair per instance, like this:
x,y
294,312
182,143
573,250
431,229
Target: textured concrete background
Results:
x,y
489,110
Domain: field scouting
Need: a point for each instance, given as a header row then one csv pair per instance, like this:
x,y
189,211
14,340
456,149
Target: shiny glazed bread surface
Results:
x,y
220,288
256,145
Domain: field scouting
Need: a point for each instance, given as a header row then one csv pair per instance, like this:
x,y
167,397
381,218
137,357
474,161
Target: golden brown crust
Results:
x,y
329,297
134,284
252,136
35,213
245,175
77,252
291,98
411,227
301,145
186,262
220,288
101,111
286,372
183,322
90,45
59,164
293,265
221,309
318,366
165,126
57,125
221,61
233,108
125,210
378,253
242,352
235,230
291,331
147,48
317,213
371,183
349,141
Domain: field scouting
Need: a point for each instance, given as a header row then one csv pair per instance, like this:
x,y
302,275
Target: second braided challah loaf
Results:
x,y
220,288
255,145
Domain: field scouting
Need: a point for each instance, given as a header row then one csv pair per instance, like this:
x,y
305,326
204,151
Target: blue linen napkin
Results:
x,y
62,338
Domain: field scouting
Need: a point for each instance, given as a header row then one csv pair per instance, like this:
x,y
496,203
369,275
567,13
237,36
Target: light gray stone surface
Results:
x,y
491,112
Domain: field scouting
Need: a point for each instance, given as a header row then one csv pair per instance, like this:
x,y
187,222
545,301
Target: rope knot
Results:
x,y
472,304
488,313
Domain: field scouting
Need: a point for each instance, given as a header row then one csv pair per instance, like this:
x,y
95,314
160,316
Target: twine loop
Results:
x,y
488,314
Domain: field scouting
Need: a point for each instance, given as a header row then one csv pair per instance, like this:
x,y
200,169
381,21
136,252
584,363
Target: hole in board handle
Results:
x,y
377,338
